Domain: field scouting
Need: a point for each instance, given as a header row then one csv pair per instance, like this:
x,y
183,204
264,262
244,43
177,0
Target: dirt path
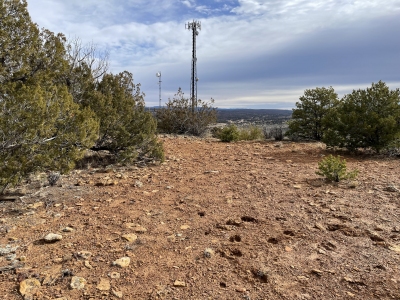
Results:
x,y
215,221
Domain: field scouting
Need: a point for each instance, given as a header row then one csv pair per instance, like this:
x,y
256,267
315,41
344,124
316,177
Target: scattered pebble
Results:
x,y
29,287
77,283
52,237
117,294
208,253
178,283
130,237
122,262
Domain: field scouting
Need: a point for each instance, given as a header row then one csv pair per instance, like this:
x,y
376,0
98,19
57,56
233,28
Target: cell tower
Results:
x,y
194,26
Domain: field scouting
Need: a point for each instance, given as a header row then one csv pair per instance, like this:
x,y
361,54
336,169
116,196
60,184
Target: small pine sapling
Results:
x,y
334,169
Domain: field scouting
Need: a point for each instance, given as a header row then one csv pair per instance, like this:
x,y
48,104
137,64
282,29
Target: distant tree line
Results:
x,y
363,119
58,99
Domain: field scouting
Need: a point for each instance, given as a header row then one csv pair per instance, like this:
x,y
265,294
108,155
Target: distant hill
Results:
x,y
266,116
256,116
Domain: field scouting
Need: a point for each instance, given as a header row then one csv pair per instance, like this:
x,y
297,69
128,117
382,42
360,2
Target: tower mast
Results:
x,y
194,26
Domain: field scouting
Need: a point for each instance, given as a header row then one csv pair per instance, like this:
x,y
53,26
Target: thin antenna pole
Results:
x,y
194,26
158,74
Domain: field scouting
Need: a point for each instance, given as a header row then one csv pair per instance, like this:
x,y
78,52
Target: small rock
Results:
x,y
138,184
29,287
317,272
88,265
130,237
7,250
178,283
11,257
77,283
208,253
104,285
35,205
85,254
117,294
68,229
122,262
391,189
135,227
240,290
320,226
297,186
114,275
395,248
171,238
184,227
52,237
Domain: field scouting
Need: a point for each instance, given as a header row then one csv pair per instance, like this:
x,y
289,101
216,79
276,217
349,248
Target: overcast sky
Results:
x,y
250,53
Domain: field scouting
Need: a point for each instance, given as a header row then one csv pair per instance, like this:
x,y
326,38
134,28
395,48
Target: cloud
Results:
x,y
249,51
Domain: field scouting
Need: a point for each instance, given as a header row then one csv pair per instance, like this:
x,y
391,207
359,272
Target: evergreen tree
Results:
x,y
126,128
40,125
366,119
308,118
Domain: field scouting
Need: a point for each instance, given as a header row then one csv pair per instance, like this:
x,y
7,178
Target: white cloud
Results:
x,y
271,49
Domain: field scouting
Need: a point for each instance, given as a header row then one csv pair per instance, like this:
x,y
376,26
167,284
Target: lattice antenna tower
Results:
x,y
195,27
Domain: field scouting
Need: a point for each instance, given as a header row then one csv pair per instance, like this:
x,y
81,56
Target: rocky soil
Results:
x,y
248,220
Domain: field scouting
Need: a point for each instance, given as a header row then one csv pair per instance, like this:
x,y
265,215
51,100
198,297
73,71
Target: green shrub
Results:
x,y
251,133
334,169
216,132
277,133
365,119
230,134
179,117
127,130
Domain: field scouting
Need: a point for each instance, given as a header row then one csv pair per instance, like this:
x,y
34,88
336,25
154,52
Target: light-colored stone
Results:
x,y
184,227
85,254
88,265
395,248
53,237
122,262
320,226
68,229
135,227
208,253
179,283
130,237
77,283
171,238
7,250
138,184
29,287
35,205
104,285
117,294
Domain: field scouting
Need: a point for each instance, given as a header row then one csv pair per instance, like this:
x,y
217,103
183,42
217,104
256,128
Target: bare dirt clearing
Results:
x,y
215,221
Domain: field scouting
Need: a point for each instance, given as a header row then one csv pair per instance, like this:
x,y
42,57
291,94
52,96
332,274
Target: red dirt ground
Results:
x,y
248,220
